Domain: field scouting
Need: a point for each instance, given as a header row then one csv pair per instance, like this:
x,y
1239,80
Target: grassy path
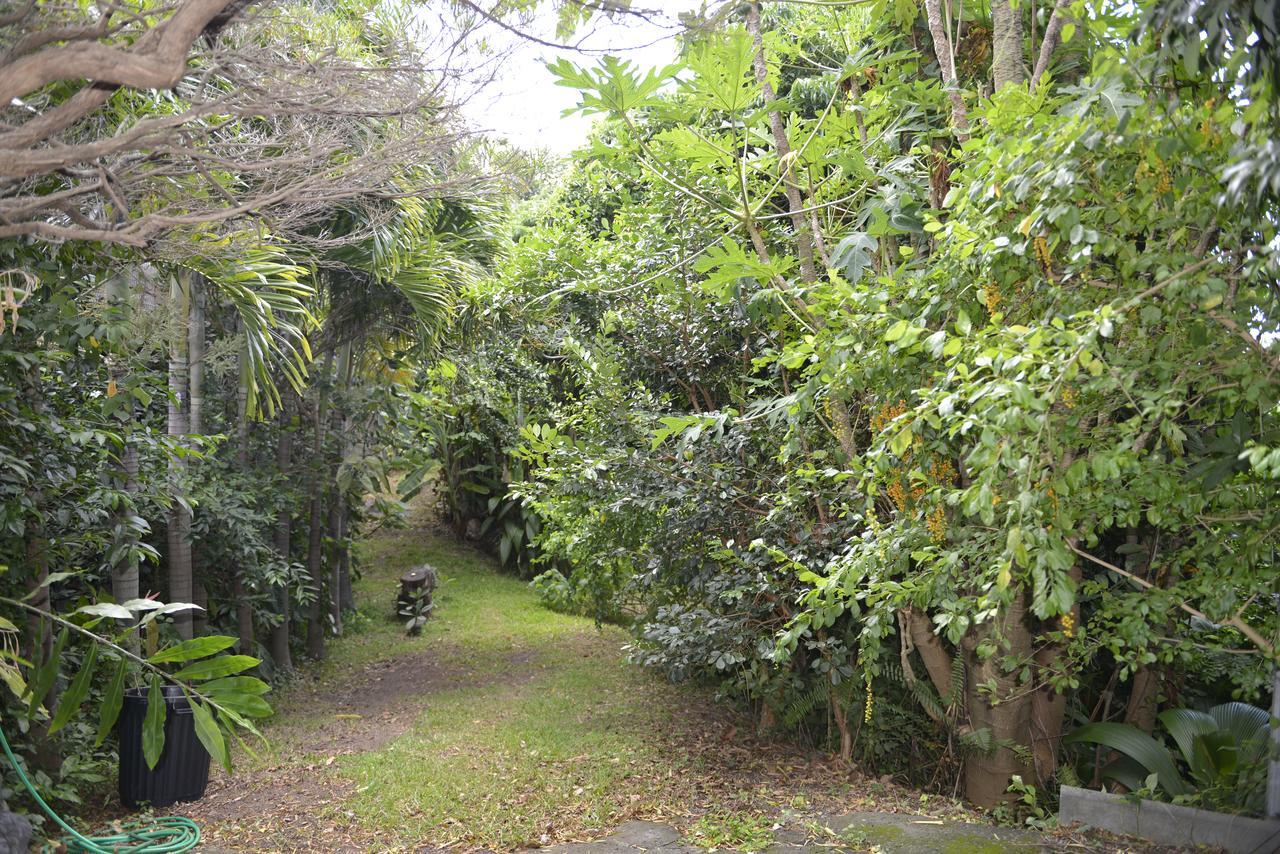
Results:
x,y
503,725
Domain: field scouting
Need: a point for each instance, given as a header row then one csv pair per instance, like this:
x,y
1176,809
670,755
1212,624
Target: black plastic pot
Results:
x,y
183,770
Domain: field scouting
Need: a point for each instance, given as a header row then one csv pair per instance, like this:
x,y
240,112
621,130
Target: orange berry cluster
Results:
x,y
897,494
937,525
941,471
887,413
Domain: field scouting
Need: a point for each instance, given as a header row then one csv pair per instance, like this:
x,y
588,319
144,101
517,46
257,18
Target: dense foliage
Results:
x,y
909,372
925,405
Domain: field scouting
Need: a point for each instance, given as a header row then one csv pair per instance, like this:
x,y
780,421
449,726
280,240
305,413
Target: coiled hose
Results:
x,y
168,834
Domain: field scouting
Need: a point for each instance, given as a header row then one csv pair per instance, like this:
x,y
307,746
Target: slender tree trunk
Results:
x,y
281,632
179,533
124,569
36,556
343,597
1006,45
346,595
945,53
244,608
195,426
1052,38
315,535
795,203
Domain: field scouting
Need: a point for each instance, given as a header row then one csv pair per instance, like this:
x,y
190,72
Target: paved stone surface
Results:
x,y
889,833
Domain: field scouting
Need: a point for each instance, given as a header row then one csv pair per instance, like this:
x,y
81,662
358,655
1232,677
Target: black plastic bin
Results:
x,y
183,770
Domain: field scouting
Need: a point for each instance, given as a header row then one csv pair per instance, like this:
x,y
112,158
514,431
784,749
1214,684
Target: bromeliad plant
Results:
x,y
223,700
1223,752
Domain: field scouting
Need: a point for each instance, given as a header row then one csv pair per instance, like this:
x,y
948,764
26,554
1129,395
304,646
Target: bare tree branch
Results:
x,y
256,121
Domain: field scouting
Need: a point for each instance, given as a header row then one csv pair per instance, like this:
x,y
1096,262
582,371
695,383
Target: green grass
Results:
x,y
738,832
555,735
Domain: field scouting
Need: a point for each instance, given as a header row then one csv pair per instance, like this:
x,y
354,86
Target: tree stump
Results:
x,y
415,584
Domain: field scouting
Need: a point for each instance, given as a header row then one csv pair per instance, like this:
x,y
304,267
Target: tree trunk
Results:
x,y
195,426
280,633
179,528
244,608
1006,712
346,595
124,569
782,146
945,54
1052,38
315,531
1006,45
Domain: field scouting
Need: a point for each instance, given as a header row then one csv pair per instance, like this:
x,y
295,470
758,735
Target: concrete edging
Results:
x,y
1168,824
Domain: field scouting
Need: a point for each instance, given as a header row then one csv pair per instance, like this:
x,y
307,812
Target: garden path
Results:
x,y
506,726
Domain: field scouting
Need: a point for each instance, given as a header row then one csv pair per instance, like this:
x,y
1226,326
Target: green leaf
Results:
x,y
107,609
963,324
248,705
76,692
112,701
1185,725
194,648
901,442
153,724
209,734
235,685
896,331
45,675
212,668
1135,743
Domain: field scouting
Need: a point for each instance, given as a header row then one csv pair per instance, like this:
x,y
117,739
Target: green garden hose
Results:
x,y
168,834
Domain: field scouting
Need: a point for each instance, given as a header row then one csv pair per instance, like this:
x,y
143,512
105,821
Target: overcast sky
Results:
x,y
524,105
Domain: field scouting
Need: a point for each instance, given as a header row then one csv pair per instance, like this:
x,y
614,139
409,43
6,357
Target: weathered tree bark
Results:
x,y
1006,712
1052,38
1049,707
281,632
945,53
1006,45
782,147
179,528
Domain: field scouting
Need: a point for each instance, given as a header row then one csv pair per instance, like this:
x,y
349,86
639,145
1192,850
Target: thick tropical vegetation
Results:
x,y
908,372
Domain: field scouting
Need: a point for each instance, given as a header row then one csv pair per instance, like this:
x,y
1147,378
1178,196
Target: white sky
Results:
x,y
524,105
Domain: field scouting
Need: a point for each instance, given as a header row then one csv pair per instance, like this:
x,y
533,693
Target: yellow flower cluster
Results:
x,y
1069,397
838,418
991,297
1068,624
866,713
1163,182
1042,254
